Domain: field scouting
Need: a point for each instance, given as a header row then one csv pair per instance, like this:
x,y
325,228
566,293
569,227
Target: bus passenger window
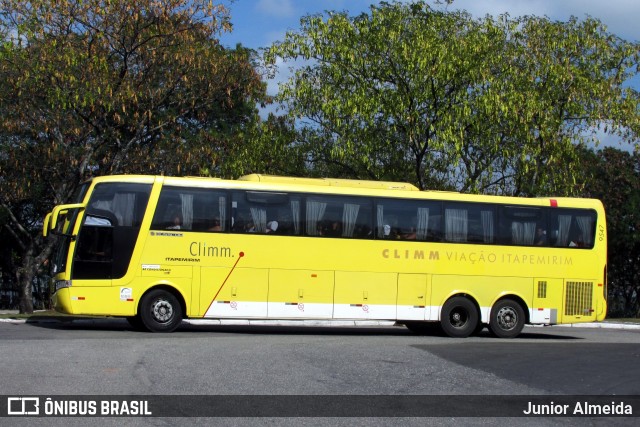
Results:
x,y
338,217
408,220
456,225
573,228
523,226
190,209
265,213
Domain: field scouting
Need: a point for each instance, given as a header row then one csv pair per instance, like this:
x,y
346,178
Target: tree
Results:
x,y
267,147
437,98
613,176
565,83
102,87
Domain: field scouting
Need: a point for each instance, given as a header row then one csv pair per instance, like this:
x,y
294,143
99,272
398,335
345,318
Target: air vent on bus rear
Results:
x,y
578,299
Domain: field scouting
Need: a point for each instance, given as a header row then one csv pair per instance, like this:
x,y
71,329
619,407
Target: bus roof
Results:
x,y
334,182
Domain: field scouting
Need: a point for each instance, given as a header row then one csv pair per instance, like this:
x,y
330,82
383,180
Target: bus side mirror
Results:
x,y
45,225
52,218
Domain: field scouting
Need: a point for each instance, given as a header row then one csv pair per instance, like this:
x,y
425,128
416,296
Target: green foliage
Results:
x,y
99,87
614,177
407,92
268,147
565,83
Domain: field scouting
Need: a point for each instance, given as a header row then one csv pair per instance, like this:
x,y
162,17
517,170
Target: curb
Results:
x,y
604,325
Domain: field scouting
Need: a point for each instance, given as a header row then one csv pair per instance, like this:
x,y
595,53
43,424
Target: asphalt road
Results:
x,y
108,358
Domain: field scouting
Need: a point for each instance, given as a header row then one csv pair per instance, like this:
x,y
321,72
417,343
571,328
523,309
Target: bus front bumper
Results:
x,y
61,301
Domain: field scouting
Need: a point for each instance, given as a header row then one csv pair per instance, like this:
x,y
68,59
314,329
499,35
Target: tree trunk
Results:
x,y
25,276
31,266
26,294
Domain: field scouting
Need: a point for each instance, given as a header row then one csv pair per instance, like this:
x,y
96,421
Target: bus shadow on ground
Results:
x,y
296,330
186,329
121,324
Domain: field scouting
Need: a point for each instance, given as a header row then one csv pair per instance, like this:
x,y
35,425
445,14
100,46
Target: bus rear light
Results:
x,y
553,203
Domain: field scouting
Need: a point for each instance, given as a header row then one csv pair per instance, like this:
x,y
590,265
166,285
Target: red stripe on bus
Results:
x,y
240,255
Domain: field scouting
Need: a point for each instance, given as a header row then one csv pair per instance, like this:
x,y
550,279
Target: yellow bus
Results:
x,y
158,249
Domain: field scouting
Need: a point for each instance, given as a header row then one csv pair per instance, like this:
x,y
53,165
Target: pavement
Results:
x,y
606,324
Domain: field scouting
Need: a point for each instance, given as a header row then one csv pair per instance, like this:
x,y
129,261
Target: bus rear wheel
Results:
x,y
459,317
160,311
507,319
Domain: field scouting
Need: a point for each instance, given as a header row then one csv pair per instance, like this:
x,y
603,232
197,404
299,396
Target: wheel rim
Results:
x,y
458,317
162,310
507,318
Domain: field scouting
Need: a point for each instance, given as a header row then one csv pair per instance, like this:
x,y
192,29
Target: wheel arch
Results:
x,y
466,295
168,287
517,298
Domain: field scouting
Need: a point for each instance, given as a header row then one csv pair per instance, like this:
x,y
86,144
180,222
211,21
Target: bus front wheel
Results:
x,y
507,319
160,311
459,317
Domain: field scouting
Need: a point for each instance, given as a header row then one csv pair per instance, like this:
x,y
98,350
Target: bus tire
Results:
x,y
459,317
507,319
160,311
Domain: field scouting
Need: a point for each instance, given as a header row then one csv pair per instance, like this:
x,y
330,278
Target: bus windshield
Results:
x,y
109,230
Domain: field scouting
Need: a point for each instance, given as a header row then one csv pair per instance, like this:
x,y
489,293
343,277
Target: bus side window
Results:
x,y
338,217
191,209
408,220
573,228
522,226
456,220
264,212
167,209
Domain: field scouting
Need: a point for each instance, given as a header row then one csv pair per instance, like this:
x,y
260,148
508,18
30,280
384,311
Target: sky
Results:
x,y
259,23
